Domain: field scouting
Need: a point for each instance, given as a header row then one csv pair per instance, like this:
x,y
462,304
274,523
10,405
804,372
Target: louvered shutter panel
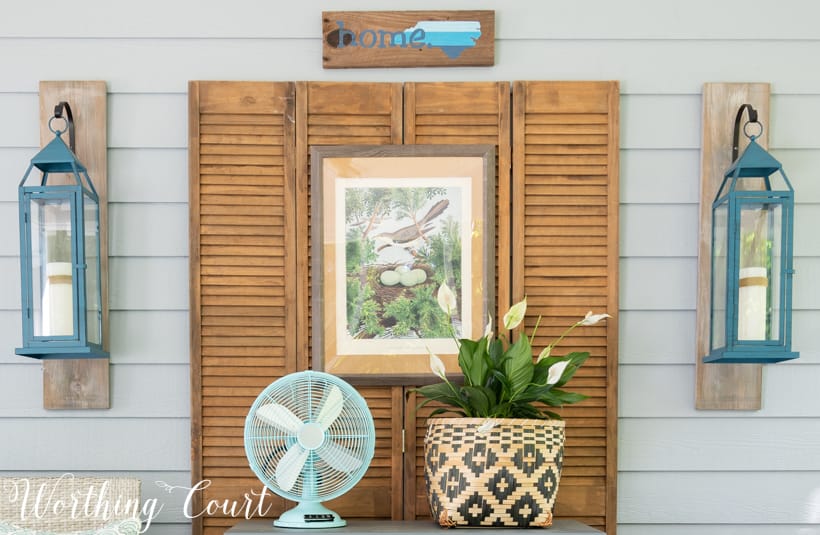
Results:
x,y
351,113
440,113
250,263
242,273
565,260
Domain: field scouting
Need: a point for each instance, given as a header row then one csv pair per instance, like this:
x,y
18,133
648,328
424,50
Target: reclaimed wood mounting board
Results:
x,y
722,386
375,39
82,383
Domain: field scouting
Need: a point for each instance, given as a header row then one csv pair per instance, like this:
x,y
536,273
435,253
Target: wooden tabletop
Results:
x,y
410,527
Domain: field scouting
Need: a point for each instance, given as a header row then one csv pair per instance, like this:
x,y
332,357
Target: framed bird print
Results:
x,y
403,253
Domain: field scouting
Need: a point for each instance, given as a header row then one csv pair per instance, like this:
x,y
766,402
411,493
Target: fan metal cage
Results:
x,y
335,461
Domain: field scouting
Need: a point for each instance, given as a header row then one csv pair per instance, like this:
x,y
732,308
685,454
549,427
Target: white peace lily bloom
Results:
x,y
544,354
556,371
485,428
488,329
515,314
446,299
592,319
437,366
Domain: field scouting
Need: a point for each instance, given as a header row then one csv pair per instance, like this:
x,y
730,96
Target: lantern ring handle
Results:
x,y
57,131
746,131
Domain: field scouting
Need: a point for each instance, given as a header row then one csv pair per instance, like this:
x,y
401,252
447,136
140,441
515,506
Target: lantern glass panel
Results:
x,y
52,275
720,245
92,274
759,284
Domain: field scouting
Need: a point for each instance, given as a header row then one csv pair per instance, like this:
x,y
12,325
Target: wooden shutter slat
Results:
x,y
236,353
472,120
348,120
230,174
566,128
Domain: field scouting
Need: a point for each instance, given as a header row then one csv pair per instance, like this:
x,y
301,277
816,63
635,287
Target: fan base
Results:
x,y
309,515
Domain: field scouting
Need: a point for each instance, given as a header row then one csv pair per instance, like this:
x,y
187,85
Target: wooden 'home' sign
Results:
x,y
408,39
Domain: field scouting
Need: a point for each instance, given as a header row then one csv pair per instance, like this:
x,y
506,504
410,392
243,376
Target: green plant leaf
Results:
x,y
540,372
518,365
466,361
500,384
480,399
560,397
443,393
480,362
525,410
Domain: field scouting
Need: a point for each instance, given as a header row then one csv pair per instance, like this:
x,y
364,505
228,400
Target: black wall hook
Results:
x,y
752,119
69,119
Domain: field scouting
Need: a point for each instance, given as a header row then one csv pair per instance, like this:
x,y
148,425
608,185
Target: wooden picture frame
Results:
x,y
390,224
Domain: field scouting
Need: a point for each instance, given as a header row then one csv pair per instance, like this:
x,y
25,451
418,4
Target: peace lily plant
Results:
x,y
501,380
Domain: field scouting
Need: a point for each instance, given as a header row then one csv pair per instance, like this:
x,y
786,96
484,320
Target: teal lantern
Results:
x,y
752,237
60,254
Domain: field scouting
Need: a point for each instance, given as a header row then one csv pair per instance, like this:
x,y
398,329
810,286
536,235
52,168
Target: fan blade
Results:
x,y
338,457
331,408
279,416
290,466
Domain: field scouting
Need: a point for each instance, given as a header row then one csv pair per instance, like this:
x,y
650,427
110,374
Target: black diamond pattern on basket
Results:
x,y
525,510
475,510
528,459
502,485
455,483
478,459
547,483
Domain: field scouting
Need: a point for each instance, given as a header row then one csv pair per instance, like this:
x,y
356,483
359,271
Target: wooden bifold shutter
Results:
x,y
334,113
565,260
242,258
557,242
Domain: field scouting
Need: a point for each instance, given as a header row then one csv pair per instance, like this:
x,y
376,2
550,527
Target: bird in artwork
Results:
x,y
411,236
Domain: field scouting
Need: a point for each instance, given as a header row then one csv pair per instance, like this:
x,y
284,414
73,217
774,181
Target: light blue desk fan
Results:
x,y
309,437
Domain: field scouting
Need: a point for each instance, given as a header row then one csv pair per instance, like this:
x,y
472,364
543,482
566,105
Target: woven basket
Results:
x,y
506,475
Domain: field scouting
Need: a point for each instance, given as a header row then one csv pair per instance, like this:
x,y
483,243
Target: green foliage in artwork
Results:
x,y
395,297
365,204
409,201
443,253
359,251
419,315
363,313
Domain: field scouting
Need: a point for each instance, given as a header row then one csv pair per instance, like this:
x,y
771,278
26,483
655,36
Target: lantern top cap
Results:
x,y
754,162
56,157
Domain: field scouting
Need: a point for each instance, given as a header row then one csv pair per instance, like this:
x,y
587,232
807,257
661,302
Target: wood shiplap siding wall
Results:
x,y
681,471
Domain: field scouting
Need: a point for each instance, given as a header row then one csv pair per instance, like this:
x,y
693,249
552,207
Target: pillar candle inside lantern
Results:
x,y
751,324
58,303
